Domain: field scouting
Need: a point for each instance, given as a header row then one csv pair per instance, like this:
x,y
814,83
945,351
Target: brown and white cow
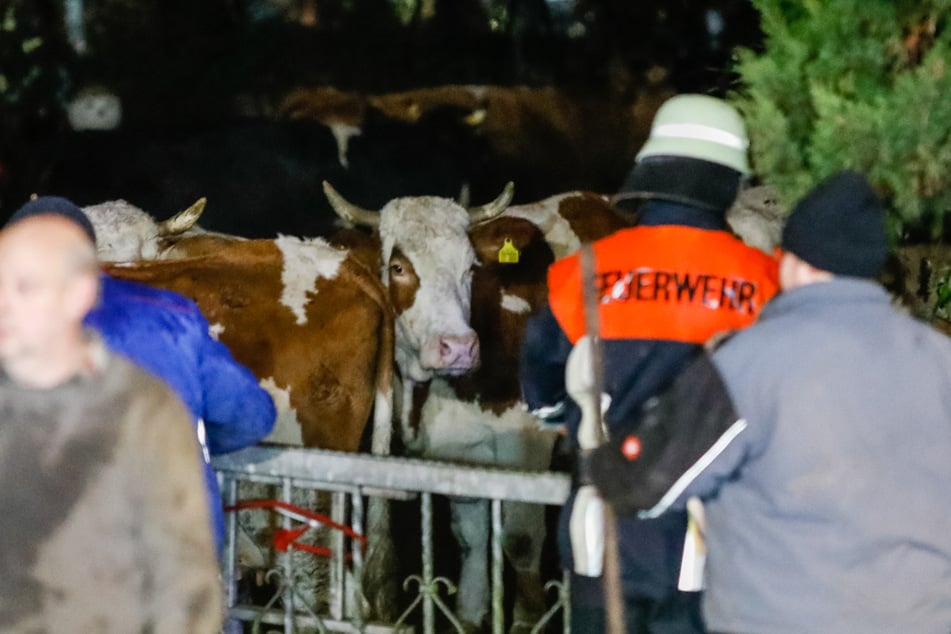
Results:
x,y
462,300
308,319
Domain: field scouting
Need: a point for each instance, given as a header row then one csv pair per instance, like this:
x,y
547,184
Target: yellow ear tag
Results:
x,y
508,254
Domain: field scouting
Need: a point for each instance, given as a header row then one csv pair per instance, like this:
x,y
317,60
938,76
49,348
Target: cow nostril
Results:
x,y
458,351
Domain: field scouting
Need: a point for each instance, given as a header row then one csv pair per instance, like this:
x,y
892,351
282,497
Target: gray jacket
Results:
x,y
824,465
104,525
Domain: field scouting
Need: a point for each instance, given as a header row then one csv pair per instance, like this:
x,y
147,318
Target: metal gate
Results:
x,y
352,482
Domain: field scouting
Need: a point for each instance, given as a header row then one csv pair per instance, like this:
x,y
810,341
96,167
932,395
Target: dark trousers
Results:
x,y
677,613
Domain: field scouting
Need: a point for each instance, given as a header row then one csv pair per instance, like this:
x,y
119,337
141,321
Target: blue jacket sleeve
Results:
x,y
166,333
544,354
238,412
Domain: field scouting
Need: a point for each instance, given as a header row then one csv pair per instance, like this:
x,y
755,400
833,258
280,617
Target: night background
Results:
x,y
203,89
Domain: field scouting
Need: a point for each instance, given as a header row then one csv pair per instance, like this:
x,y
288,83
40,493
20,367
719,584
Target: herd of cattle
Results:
x,y
415,326
404,308
406,316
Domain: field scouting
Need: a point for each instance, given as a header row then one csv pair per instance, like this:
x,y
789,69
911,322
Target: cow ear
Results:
x,y
494,208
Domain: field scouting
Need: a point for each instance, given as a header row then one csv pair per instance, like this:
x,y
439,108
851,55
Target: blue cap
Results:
x,y
54,206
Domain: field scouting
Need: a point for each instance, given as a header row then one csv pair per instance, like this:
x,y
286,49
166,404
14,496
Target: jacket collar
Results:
x,y
663,212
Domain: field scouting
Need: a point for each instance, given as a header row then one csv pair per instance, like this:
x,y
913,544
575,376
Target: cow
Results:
x,y
306,317
546,139
342,112
462,300
125,232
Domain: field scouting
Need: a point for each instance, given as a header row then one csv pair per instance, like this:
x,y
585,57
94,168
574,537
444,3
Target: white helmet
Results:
x,y
700,127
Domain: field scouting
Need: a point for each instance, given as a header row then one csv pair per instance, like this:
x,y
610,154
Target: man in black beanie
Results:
x,y
816,442
839,227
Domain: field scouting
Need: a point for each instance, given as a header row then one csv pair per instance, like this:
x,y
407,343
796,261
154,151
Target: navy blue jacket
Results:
x,y
166,334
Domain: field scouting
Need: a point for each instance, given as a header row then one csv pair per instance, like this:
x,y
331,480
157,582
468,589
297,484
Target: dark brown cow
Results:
x,y
342,112
543,138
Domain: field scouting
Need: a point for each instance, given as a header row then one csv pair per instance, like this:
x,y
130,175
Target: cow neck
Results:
x,y
420,394
414,395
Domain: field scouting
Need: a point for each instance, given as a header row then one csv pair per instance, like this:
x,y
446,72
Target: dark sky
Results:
x,y
186,64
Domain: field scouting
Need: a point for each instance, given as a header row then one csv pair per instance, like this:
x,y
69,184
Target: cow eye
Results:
x,y
396,268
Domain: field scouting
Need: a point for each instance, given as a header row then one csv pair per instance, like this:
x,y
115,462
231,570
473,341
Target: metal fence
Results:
x,y
352,482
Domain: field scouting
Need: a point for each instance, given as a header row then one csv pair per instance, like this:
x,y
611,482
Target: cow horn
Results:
x,y
494,208
348,211
183,220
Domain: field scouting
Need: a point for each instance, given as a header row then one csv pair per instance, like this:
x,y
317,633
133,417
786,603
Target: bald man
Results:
x,y
103,521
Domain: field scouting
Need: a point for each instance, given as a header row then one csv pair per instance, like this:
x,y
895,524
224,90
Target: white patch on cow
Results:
x,y
305,261
515,304
544,214
452,429
286,428
215,331
343,132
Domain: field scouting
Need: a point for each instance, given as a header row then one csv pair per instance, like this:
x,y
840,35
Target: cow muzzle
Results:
x,y
451,354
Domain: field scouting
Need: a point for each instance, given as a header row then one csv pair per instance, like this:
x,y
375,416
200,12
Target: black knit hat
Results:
x,y
56,206
839,227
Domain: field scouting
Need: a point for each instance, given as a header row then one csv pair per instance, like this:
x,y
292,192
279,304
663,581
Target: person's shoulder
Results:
x,y
115,290
745,344
145,391
134,377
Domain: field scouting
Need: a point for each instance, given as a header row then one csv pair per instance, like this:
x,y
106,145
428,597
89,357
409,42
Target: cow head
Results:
x,y
124,232
427,262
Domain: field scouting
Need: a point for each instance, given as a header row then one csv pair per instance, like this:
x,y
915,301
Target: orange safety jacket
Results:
x,y
688,285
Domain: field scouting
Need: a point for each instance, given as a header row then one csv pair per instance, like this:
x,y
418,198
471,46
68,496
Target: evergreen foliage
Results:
x,y
862,84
